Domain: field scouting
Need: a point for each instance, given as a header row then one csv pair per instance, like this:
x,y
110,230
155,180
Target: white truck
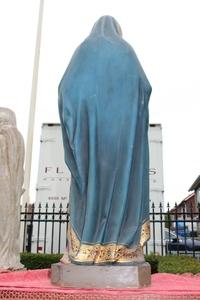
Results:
x,y
53,187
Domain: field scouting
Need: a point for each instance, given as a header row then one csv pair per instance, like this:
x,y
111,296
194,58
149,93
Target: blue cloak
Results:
x,y
103,106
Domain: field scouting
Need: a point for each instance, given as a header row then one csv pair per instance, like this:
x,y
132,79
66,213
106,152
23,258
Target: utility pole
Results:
x,y
29,142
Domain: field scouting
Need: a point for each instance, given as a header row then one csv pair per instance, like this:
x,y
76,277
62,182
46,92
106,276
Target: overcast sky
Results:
x,y
165,35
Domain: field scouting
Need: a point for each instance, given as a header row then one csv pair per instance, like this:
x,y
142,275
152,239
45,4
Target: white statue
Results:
x,y
11,181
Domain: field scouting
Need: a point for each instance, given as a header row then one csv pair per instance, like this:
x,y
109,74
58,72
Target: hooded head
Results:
x,y
7,117
107,26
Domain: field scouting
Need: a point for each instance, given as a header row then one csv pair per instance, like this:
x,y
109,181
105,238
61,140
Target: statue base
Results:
x,y
108,276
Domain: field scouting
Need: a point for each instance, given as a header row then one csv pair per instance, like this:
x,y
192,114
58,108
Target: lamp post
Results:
x,y
29,142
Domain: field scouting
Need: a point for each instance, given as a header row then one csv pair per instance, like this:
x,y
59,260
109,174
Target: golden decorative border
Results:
x,y
109,253
145,233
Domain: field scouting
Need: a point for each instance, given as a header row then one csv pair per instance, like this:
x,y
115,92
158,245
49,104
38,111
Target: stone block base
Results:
x,y
108,276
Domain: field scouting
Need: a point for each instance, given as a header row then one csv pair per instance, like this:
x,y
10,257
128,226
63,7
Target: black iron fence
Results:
x,y
173,231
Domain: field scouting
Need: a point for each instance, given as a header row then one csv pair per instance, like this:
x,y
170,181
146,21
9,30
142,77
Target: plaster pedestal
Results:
x,y
109,276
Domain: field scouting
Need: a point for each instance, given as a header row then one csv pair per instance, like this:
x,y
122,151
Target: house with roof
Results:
x,y
195,187
185,215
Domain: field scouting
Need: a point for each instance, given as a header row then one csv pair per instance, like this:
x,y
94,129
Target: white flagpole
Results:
x,y
29,142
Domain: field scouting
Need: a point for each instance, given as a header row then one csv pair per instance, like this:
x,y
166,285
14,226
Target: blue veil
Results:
x,y
103,106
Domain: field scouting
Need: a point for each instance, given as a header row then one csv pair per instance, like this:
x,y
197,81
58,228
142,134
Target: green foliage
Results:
x,y
162,264
178,264
33,261
153,261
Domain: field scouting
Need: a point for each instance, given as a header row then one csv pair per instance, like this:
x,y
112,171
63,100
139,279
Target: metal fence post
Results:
x,y
165,229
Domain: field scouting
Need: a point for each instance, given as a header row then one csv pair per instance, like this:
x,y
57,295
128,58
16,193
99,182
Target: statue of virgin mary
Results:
x,y
11,181
103,106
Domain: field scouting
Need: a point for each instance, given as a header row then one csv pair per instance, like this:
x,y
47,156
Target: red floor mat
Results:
x,y
36,285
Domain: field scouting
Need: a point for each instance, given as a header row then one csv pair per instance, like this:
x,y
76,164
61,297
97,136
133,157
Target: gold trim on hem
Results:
x,y
100,254
145,233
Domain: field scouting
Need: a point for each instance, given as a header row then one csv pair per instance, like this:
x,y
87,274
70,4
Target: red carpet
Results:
x,y
36,285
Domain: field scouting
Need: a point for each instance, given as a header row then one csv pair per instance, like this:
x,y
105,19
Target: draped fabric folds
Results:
x,y
103,106
11,181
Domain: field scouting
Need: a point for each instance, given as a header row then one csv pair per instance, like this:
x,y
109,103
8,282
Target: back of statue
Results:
x,y
103,105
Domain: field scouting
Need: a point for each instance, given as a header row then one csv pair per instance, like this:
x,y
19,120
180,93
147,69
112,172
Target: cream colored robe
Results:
x,y
11,180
